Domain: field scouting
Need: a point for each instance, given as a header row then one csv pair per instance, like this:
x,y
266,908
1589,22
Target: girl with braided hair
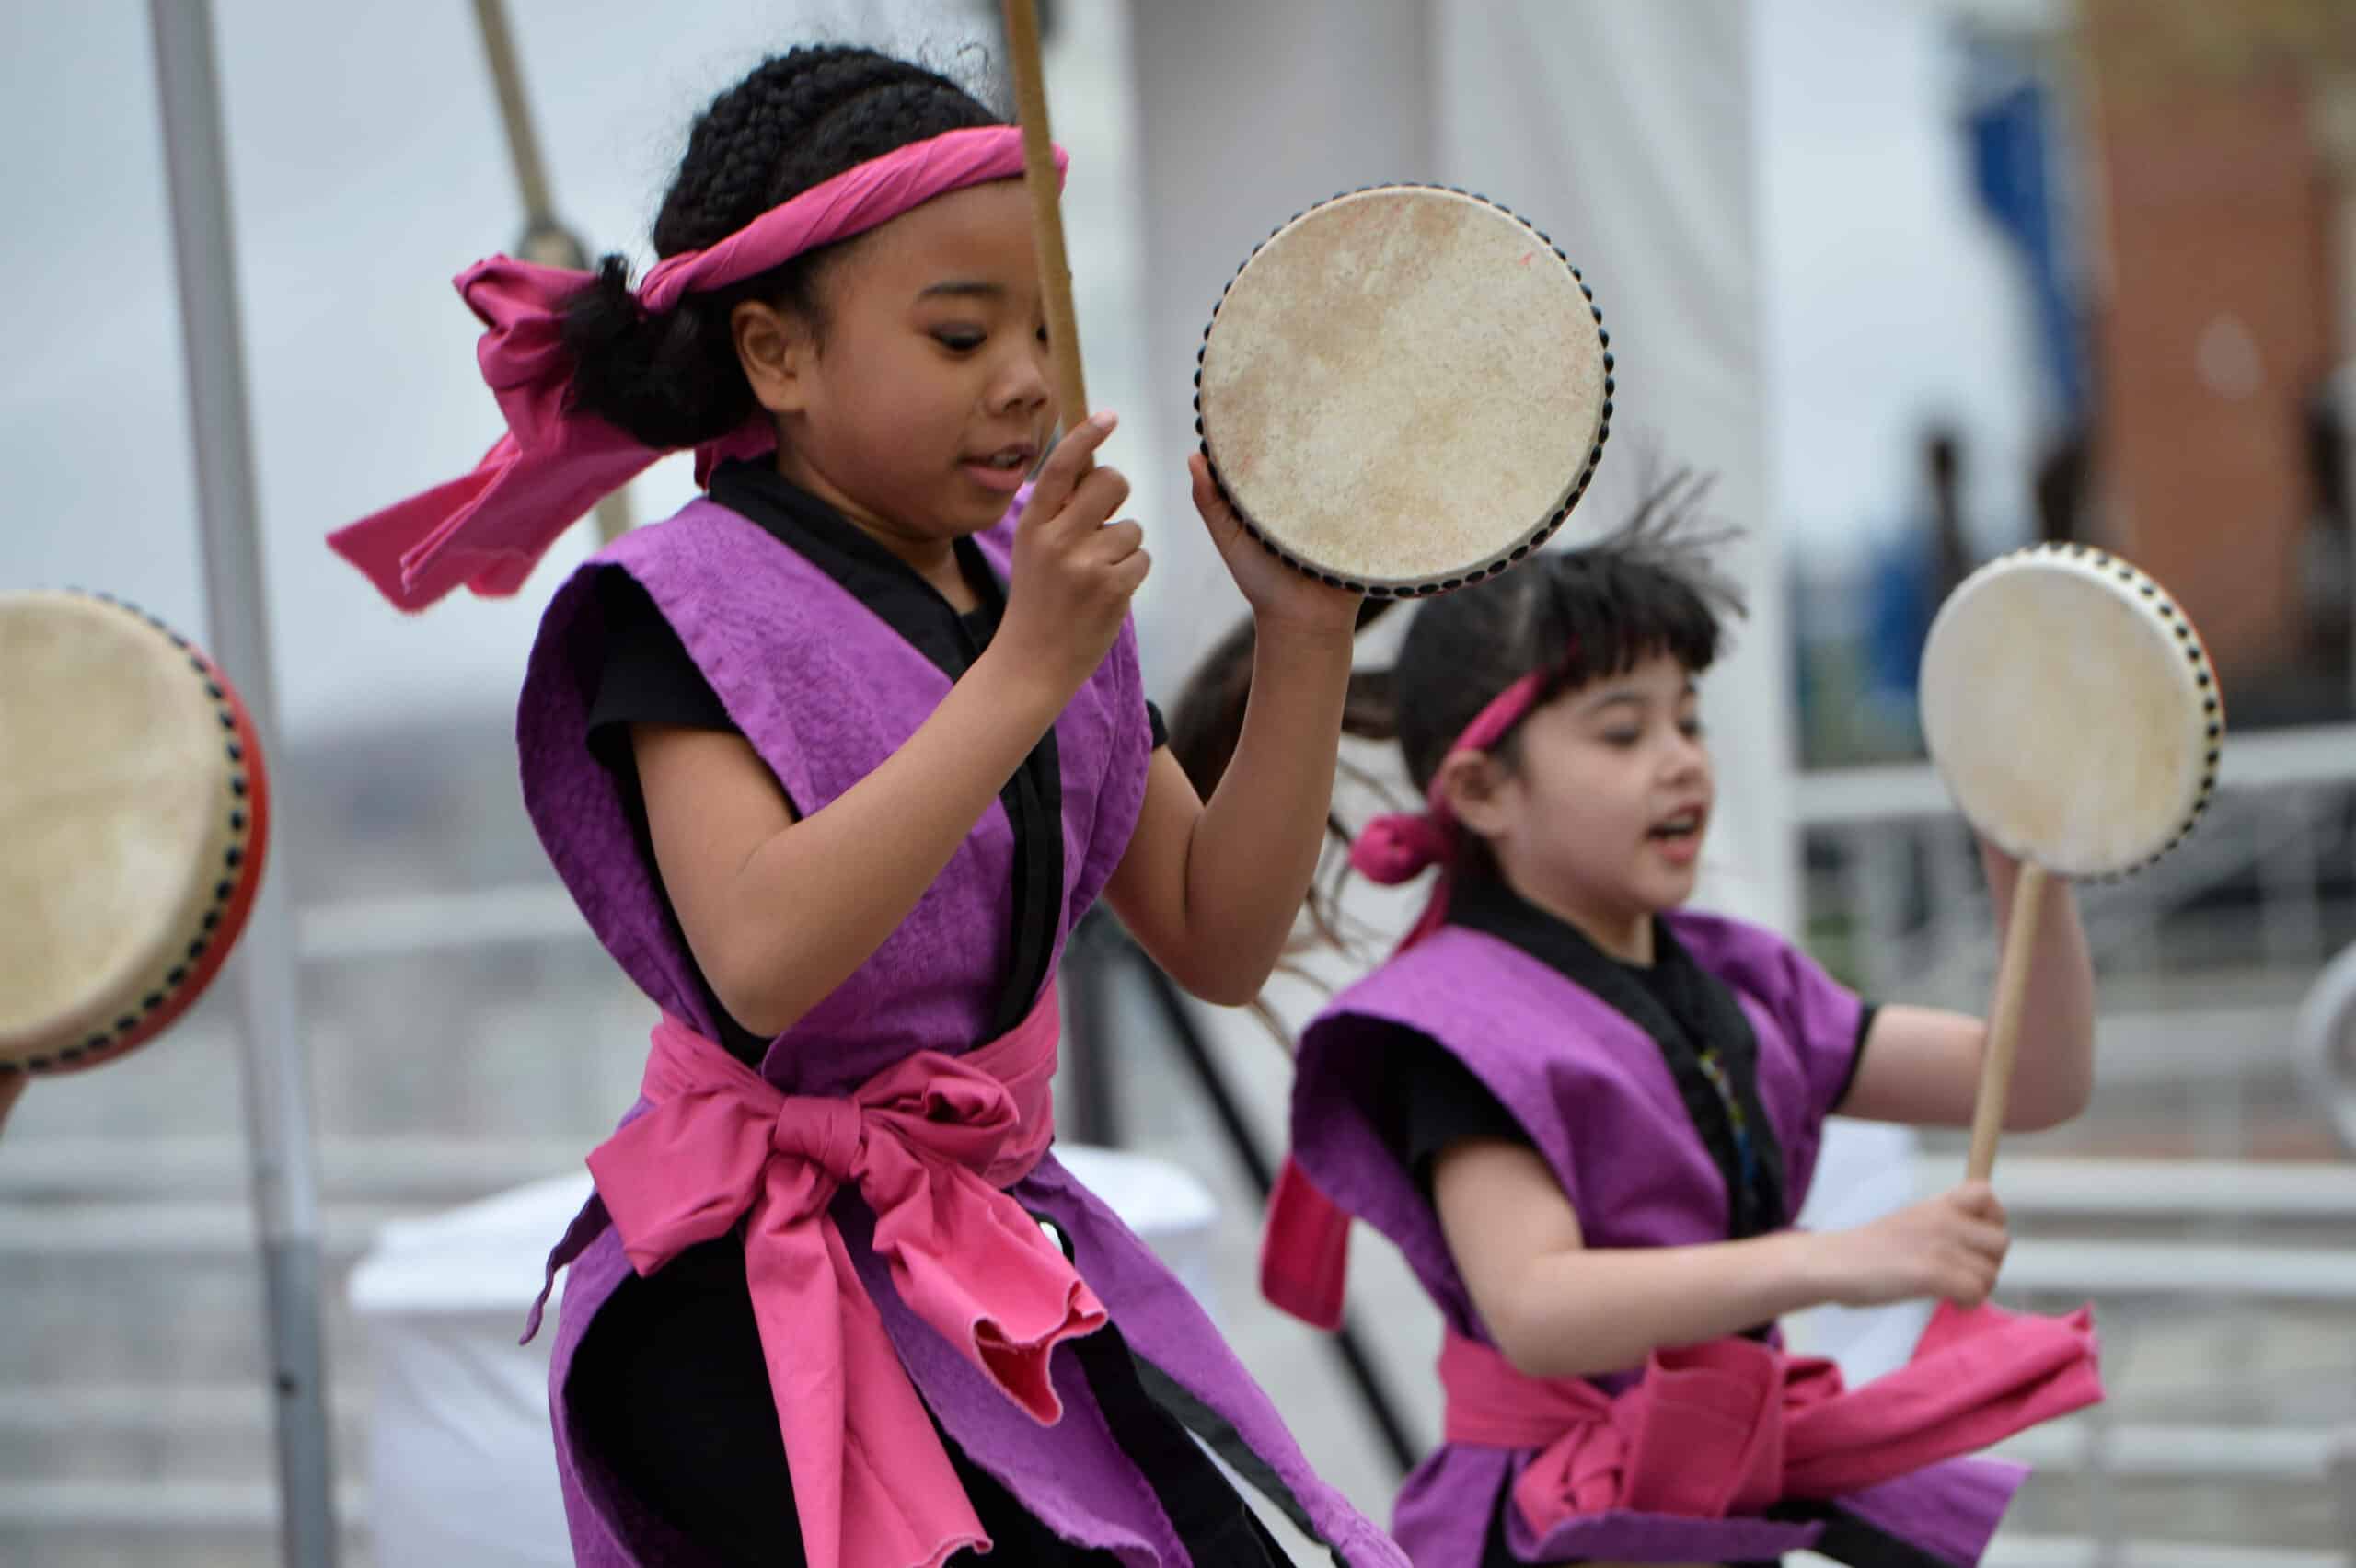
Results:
x,y
1588,1116
833,761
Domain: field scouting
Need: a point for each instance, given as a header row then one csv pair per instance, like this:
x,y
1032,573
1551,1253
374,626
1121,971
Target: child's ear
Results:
x,y
1472,785
777,349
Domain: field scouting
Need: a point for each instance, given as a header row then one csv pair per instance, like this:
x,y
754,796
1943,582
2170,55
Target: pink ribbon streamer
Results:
x,y
488,528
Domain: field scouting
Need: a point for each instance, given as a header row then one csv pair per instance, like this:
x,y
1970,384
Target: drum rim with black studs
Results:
x,y
2171,635
188,914
1583,447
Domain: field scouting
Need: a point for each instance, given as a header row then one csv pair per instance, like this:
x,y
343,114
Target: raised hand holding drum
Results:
x,y
136,816
2072,712
1405,390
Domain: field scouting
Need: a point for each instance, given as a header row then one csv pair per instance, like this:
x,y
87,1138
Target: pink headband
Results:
x,y
487,529
1400,846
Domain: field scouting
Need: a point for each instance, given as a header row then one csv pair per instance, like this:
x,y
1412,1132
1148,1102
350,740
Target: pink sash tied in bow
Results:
x,y
1733,1426
929,1143
487,529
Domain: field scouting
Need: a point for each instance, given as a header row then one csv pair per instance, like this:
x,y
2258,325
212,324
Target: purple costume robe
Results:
x,y
825,690
1521,1002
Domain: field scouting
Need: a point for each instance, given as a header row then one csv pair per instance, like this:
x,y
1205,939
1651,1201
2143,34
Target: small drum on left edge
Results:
x,y
135,816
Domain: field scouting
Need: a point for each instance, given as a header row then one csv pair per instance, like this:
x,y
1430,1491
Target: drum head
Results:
x,y
2071,710
136,812
1405,390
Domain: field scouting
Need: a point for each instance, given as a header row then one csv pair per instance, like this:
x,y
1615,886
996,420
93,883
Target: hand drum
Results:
x,y
1405,390
2070,710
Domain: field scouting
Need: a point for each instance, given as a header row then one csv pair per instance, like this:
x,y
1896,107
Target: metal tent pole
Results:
x,y
277,1086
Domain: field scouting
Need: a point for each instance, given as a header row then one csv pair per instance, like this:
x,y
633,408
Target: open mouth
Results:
x,y
1004,469
1682,828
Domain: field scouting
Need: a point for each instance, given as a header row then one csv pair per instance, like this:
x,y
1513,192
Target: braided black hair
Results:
x,y
798,120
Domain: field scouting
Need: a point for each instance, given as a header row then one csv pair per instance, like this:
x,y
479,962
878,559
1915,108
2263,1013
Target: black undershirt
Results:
x,y
669,1381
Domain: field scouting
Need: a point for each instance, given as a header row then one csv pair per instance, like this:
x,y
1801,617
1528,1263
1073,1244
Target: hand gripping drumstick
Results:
x,y
1046,212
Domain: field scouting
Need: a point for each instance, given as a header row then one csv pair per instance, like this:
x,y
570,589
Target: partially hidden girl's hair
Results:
x,y
798,120
1570,615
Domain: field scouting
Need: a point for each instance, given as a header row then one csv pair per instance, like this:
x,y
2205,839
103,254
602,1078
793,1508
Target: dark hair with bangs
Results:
x,y
1576,616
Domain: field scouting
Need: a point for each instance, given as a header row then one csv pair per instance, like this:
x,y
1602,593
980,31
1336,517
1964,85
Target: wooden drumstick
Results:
x,y
1046,210
2005,1021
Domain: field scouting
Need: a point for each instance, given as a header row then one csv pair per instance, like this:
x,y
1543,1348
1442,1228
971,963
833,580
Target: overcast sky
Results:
x,y
368,167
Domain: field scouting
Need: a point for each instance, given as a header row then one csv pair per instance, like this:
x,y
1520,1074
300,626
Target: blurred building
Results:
x,y
2222,179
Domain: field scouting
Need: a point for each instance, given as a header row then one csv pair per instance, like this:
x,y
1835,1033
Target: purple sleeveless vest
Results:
x,y
1596,1097
825,691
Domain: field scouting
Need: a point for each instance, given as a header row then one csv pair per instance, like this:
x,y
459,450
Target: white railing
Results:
x,y
163,1506
2041,1185
401,1167
2031,1551
2325,1043
395,927
2209,1270
2262,759
2263,817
